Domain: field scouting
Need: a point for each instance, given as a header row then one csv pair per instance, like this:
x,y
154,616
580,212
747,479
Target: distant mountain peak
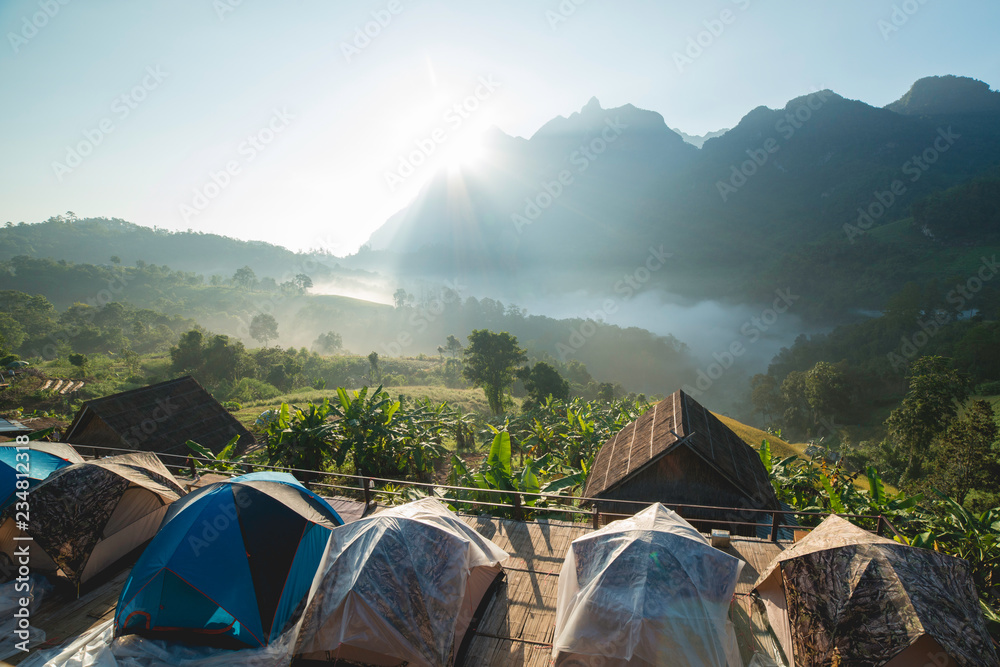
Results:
x,y
593,105
698,140
812,99
934,95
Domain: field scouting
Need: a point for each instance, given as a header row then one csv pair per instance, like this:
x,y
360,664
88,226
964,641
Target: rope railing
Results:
x,y
369,491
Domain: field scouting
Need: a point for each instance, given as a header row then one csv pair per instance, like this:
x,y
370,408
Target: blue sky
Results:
x,y
275,121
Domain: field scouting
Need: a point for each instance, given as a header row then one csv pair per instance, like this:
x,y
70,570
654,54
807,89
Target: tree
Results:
x,y
187,355
764,395
263,328
825,389
78,360
116,260
966,459
453,373
793,391
245,278
606,392
303,282
374,372
577,373
453,346
935,392
225,360
540,382
400,297
11,333
329,342
491,360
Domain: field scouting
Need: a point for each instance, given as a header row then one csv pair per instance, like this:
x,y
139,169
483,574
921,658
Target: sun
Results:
x,y
464,151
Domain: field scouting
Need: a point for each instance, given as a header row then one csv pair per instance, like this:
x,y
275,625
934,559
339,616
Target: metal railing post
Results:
x,y
597,517
775,522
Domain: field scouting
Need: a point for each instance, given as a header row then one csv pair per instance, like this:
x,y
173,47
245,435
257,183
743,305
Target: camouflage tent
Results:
x,y
843,596
87,516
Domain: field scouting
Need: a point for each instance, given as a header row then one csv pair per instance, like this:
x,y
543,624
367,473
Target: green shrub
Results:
x,y
249,389
988,388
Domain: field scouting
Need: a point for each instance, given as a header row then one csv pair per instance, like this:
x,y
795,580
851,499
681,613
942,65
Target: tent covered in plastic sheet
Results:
x,y
647,590
845,596
398,587
231,563
37,460
88,515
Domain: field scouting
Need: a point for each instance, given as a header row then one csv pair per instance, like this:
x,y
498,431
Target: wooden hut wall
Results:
x,y
682,477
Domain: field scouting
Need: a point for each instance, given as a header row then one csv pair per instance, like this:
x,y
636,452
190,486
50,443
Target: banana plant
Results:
x,y
225,461
301,439
497,474
366,429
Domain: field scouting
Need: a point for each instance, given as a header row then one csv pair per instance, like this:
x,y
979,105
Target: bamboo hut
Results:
x,y
679,454
159,418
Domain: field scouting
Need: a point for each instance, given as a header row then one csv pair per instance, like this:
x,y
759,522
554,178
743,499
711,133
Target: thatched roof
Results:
x,y
158,418
680,421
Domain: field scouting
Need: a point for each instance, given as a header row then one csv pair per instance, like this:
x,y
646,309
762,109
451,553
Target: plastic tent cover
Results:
x,y
393,584
647,589
98,648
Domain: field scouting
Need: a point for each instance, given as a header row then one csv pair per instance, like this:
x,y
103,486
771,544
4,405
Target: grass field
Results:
x,y
781,449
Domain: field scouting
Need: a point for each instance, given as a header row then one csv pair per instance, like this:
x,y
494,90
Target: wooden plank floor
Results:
x,y
518,624
517,627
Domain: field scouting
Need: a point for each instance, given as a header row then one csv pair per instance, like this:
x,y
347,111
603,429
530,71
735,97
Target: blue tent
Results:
x,y
230,564
43,459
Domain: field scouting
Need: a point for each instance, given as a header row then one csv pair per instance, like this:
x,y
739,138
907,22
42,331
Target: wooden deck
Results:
x,y
518,624
517,627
